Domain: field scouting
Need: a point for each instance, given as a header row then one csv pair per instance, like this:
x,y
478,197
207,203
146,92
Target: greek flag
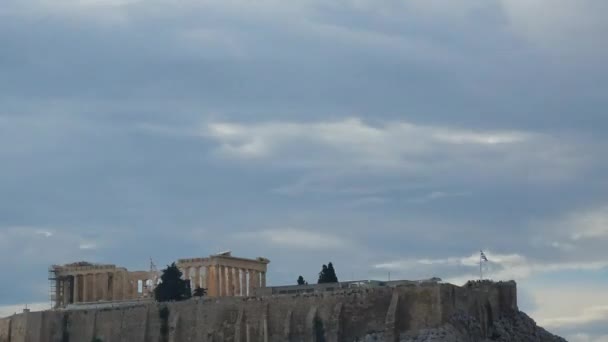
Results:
x,y
483,256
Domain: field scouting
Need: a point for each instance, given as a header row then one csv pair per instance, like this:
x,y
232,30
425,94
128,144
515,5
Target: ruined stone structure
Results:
x,y
84,282
413,312
222,274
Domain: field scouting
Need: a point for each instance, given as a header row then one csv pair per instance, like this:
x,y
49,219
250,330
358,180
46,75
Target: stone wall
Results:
x,y
331,317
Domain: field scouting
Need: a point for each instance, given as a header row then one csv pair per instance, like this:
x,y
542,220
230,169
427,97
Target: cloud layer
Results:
x,y
395,136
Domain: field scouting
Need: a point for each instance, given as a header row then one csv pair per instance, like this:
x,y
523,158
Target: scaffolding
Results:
x,y
53,286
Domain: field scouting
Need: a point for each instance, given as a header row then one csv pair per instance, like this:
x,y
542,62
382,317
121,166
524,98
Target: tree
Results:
x,y
327,274
199,292
301,280
331,274
323,275
172,286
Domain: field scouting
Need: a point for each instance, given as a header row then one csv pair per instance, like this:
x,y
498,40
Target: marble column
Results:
x,y
133,288
197,278
118,286
222,276
93,287
204,277
237,281
127,287
60,293
211,281
243,282
111,280
97,286
77,288
104,286
230,282
124,286
263,280
249,282
227,281
85,288
218,276
254,281
65,296
214,280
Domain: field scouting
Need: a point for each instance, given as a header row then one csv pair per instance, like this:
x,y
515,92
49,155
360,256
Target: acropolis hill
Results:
x,y
395,311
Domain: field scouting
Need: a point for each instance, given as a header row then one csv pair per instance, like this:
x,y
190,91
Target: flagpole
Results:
x,y
480,269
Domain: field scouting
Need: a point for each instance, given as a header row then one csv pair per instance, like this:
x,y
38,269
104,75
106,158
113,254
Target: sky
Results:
x,y
389,137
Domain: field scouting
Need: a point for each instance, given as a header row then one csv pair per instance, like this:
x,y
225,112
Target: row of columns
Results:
x,y
221,281
197,276
232,281
93,287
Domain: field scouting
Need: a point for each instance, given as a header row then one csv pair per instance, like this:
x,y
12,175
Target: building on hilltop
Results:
x,y
224,275
221,274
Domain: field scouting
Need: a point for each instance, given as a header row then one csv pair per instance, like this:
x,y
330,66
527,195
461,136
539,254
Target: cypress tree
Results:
x,y
172,286
323,275
331,274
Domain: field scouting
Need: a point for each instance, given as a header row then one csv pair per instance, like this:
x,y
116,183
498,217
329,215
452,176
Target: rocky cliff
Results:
x,y
427,312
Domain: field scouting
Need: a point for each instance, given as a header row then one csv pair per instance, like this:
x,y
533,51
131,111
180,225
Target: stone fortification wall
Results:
x,y
341,316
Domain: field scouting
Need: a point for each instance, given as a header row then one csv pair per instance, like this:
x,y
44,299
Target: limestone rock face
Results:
x,y
518,327
478,312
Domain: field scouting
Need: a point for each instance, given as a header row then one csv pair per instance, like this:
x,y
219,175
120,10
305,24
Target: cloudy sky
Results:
x,y
385,136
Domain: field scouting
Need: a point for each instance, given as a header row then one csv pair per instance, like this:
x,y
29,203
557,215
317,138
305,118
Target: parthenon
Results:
x,y
221,274
225,275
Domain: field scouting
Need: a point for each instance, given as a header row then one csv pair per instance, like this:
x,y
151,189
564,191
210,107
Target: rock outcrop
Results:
x,y
477,312
464,328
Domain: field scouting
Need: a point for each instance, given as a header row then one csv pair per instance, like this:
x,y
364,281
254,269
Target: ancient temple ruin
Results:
x,y
221,274
225,275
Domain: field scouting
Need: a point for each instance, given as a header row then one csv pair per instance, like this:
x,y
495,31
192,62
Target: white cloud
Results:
x,y
436,195
582,337
575,230
564,246
589,314
31,245
397,146
87,245
566,306
456,137
297,238
589,224
44,233
499,266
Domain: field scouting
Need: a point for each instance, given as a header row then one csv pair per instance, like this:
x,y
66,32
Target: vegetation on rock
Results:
x,y
172,286
199,292
327,274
